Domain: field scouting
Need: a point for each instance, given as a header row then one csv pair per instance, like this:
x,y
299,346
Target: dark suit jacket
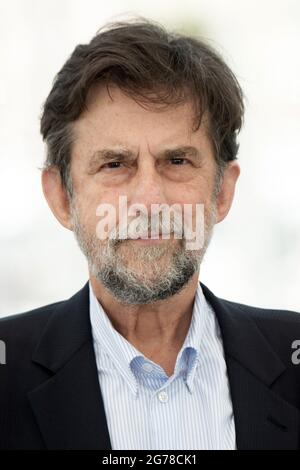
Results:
x,y
50,395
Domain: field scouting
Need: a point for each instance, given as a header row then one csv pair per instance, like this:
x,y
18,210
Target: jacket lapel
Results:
x,y
263,419
68,407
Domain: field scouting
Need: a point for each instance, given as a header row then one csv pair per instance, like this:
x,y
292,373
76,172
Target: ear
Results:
x,y
226,193
56,196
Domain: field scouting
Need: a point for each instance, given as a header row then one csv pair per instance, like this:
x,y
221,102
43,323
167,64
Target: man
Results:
x,y
145,356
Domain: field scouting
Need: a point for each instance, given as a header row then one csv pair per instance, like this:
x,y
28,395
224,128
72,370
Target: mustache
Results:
x,y
146,228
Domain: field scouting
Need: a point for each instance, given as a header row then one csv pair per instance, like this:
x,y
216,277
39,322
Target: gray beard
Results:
x,y
150,280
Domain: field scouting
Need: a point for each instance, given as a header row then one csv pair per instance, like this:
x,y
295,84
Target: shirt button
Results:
x,y
163,397
147,367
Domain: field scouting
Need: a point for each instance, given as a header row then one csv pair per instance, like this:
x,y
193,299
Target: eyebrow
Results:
x,y
122,154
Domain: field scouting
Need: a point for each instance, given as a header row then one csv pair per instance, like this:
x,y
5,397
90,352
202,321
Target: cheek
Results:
x,y
191,194
196,203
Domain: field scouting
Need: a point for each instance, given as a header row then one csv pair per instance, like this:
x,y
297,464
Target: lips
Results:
x,y
147,235
156,236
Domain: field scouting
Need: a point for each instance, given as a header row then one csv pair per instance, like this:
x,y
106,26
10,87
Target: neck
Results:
x,y
154,329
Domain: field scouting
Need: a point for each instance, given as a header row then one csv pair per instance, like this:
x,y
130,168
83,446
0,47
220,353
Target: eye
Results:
x,y
111,165
178,161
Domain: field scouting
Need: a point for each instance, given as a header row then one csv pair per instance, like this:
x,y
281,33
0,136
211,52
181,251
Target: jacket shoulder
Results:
x,y
27,324
281,328
265,314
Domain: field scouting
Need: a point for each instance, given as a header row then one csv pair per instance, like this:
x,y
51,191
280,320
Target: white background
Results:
x,y
254,255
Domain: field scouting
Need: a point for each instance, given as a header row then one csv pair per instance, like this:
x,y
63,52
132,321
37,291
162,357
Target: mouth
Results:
x,y
147,240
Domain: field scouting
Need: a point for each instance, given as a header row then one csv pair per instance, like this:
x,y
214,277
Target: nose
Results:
x,y
147,185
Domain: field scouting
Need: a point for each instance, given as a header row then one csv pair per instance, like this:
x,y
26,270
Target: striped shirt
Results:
x,y
146,409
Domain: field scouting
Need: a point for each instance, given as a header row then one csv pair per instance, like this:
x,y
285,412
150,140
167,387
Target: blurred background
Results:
x,y
254,256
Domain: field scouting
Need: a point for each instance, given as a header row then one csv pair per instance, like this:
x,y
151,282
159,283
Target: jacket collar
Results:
x,y
243,340
67,330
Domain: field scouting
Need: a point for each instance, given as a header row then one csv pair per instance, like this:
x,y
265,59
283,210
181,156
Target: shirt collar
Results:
x,y
123,353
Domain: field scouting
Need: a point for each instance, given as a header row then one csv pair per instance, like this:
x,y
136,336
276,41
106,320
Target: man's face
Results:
x,y
150,156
